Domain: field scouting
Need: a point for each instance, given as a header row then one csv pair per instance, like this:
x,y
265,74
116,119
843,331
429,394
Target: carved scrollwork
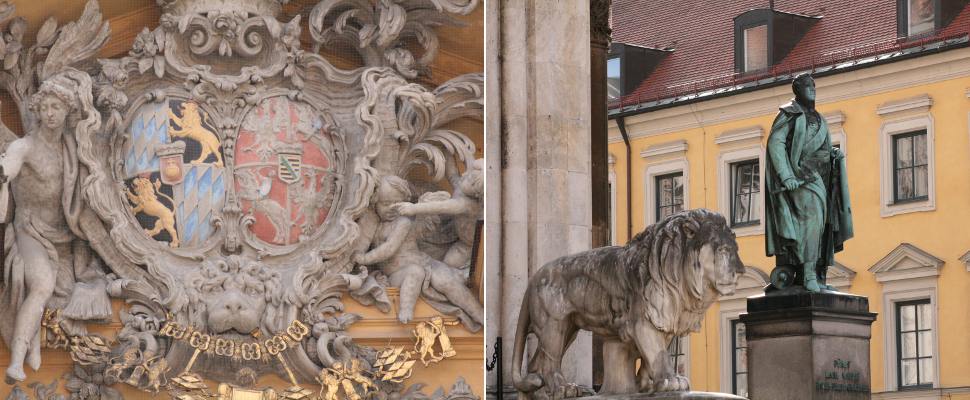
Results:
x,y
229,182
380,32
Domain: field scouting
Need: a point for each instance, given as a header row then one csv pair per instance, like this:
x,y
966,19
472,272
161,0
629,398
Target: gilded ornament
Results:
x,y
427,334
192,126
394,365
145,199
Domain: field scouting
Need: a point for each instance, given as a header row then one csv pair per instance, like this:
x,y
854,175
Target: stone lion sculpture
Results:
x,y
638,297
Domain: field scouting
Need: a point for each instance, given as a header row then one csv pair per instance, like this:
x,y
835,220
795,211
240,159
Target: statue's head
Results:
x,y
804,88
54,101
472,182
392,190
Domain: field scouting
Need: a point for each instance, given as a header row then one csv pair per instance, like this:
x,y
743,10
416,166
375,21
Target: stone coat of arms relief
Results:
x,y
232,186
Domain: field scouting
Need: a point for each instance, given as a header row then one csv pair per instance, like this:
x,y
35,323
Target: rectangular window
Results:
x,y
921,16
756,48
910,167
614,87
670,195
745,190
914,344
676,350
739,363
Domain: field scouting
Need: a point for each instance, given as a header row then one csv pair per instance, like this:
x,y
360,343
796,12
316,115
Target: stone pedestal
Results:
x,y
668,396
805,346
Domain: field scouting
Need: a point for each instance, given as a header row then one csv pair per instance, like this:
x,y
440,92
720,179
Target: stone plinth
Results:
x,y
668,396
805,346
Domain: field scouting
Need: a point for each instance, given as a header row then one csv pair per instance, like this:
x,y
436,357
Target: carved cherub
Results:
x,y
41,172
465,207
409,268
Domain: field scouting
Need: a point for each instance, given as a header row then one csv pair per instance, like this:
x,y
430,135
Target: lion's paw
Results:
x,y
675,383
572,390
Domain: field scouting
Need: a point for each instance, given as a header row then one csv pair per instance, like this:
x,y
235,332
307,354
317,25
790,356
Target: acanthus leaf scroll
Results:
x,y
223,178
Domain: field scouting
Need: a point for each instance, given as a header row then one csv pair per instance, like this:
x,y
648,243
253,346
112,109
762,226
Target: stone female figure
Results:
x,y
412,270
43,175
807,215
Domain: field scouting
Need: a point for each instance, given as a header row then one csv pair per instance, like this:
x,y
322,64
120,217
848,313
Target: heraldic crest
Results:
x,y
235,189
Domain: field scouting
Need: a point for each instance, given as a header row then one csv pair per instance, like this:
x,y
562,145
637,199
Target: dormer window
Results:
x,y
614,85
756,48
920,16
917,18
763,37
627,66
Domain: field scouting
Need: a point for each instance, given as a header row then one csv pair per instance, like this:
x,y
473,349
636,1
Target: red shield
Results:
x,y
290,208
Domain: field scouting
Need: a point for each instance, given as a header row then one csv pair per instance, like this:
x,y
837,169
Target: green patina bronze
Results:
x,y
807,213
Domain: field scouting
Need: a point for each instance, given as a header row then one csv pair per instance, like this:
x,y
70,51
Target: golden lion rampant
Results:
x,y
191,127
145,199
638,297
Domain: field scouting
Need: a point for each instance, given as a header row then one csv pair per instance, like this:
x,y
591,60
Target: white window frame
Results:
x,y
834,121
663,159
913,290
907,273
904,117
751,283
737,146
653,171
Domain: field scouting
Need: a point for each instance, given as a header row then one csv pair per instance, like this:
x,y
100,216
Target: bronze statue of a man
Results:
x,y
807,213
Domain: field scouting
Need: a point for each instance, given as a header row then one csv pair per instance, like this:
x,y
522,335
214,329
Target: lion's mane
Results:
x,y
674,295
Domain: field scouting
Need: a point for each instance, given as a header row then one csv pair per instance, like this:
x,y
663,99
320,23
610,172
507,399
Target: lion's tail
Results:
x,y
531,382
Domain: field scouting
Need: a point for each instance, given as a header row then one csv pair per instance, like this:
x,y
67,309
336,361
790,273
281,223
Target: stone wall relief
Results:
x,y
231,186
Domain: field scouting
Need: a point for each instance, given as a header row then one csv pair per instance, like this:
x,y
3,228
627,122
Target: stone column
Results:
x,y
599,32
493,190
808,346
544,132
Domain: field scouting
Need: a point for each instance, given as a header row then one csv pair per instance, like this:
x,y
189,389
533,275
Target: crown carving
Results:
x,y
288,148
254,7
171,149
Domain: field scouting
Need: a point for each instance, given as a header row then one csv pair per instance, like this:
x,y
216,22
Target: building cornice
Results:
x,y
740,135
921,103
662,149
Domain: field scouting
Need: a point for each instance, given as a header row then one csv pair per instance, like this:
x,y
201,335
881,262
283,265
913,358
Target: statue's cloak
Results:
x,y
791,128
79,289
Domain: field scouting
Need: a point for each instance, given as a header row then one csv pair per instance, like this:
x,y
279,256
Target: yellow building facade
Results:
x,y
906,255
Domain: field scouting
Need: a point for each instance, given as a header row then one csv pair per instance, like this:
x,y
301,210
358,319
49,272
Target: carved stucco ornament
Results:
x,y
227,185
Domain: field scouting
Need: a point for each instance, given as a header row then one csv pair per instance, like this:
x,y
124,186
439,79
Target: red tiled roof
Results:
x,y
702,36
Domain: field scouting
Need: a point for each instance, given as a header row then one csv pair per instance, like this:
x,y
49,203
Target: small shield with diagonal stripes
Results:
x,y
290,159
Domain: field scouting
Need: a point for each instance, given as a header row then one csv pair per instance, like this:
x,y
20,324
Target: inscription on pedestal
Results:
x,y
842,379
